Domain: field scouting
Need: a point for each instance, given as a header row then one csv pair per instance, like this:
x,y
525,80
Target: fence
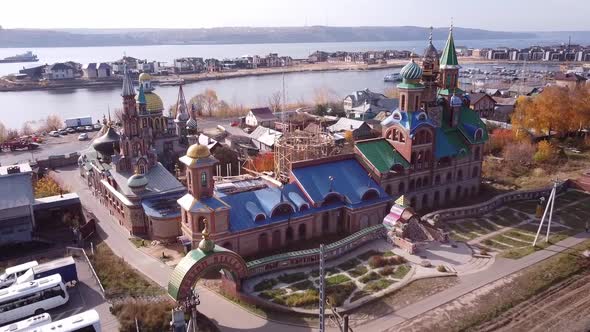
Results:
x,y
311,256
485,207
80,250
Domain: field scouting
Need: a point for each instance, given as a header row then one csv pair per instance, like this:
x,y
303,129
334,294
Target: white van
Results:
x,y
10,274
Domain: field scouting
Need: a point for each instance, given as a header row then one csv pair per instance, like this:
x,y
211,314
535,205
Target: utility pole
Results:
x,y
322,289
548,208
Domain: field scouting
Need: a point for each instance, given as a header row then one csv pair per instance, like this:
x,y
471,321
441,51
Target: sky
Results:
x,y
500,15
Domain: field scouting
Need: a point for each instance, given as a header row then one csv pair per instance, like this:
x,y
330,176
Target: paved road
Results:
x,y
53,146
231,317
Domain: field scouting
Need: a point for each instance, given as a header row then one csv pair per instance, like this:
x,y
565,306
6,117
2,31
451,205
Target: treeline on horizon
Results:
x,y
236,35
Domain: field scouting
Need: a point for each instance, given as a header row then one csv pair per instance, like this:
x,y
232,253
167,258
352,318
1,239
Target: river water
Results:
x,y
17,107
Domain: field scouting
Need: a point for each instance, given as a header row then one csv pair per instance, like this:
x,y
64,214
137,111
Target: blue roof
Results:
x,y
350,180
449,143
163,206
409,120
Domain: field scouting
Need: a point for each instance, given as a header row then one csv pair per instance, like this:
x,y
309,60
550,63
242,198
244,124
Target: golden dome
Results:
x,y
153,102
198,151
144,77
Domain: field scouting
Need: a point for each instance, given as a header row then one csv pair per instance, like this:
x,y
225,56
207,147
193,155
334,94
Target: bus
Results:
x,y
12,273
32,298
87,321
28,324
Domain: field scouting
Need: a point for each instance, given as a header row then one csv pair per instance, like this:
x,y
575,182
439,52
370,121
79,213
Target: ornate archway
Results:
x,y
198,262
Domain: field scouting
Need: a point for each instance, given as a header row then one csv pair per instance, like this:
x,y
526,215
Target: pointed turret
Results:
x,y
448,60
141,101
128,89
181,108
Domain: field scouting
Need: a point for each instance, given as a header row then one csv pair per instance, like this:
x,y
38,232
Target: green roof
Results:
x,y
381,154
408,85
470,122
449,54
450,92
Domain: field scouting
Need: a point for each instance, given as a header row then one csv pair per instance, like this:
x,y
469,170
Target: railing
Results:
x,y
487,206
311,256
68,249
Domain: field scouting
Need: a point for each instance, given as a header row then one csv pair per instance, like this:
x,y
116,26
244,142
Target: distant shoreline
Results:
x,y
7,86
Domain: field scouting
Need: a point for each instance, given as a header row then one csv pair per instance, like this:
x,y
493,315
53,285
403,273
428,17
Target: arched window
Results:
x,y
477,153
458,192
263,242
185,216
413,202
370,194
436,201
401,188
412,185
331,198
475,172
201,224
203,179
437,179
449,177
397,116
403,103
301,232
478,134
276,239
447,194
426,181
424,201
282,209
459,175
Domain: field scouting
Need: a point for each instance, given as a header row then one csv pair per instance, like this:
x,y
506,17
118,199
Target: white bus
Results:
x,y
32,298
27,325
87,321
12,273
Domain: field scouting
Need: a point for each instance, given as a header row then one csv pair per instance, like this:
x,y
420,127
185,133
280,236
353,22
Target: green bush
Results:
x,y
265,284
349,264
308,298
302,285
337,279
358,271
291,278
369,277
377,285
337,294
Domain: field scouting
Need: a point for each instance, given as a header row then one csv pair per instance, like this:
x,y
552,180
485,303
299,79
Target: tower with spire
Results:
x,y
449,69
431,69
181,116
136,154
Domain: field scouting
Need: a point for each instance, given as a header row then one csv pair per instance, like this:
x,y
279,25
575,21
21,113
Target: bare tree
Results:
x,y
275,101
52,122
206,103
27,128
3,133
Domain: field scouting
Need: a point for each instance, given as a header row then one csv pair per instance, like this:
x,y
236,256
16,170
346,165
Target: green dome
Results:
x,y
411,71
137,181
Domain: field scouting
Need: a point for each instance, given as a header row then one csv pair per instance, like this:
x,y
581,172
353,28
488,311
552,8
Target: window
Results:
x,y
282,209
204,179
422,116
437,179
397,116
459,175
401,188
403,103
417,102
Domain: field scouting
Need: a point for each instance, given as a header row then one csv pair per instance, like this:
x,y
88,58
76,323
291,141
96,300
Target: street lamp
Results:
x,y
190,307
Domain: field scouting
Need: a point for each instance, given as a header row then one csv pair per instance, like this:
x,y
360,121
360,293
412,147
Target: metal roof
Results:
x,y
381,154
16,190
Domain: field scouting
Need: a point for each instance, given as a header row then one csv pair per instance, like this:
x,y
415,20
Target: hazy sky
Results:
x,y
510,15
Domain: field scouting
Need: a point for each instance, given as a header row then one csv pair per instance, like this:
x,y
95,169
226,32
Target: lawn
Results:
x,y
358,271
265,284
516,253
401,271
370,277
337,279
509,241
118,278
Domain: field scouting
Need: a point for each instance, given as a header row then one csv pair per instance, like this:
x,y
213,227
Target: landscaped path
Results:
x,y
231,317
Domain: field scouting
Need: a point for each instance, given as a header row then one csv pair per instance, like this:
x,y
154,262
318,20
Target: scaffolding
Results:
x,y
301,145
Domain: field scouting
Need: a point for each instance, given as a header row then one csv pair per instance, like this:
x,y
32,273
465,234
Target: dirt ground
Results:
x,y
563,307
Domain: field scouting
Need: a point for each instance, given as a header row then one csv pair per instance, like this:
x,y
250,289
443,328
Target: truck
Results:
x,y
65,267
11,274
78,122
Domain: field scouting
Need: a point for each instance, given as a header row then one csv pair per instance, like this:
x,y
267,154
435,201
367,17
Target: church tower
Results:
x,y
135,154
431,69
449,69
181,117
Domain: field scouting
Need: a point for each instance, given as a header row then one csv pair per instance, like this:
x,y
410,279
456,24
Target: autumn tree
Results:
x,y
206,103
580,104
275,101
3,133
46,187
546,152
52,122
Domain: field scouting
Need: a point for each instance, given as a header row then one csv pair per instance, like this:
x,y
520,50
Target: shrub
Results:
x,y
441,268
337,279
46,187
337,294
265,284
388,270
369,277
151,316
380,261
308,298
519,153
545,152
401,271
291,278
375,286
358,271
272,294
302,285
376,262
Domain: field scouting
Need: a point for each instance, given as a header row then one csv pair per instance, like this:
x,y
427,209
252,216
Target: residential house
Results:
x,y
365,104
189,65
104,70
90,71
503,110
318,56
264,138
35,73
59,71
569,80
262,116
482,104
213,65
359,129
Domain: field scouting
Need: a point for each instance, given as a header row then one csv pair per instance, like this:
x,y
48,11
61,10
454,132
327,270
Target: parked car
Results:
x,y
97,126
70,130
80,129
54,133
62,132
89,128
82,137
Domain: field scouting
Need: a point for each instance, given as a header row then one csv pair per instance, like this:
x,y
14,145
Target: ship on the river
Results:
x,y
25,57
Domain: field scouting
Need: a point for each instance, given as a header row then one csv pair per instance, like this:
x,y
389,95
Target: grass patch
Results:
x,y
349,264
369,277
337,279
265,284
290,278
137,242
337,294
377,285
118,278
509,241
495,245
389,254
358,271
302,285
309,298
386,271
401,271
366,255
273,294
517,253
521,235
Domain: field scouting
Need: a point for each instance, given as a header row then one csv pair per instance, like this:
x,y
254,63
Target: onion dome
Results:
x,y
206,245
192,124
137,182
411,71
198,151
145,77
107,143
456,101
153,102
430,52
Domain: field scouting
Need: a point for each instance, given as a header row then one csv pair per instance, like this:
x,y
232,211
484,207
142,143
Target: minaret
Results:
x,y
430,68
410,90
181,116
449,69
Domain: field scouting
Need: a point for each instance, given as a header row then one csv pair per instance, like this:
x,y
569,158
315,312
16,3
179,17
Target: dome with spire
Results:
x,y
107,143
152,101
430,51
145,77
411,71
